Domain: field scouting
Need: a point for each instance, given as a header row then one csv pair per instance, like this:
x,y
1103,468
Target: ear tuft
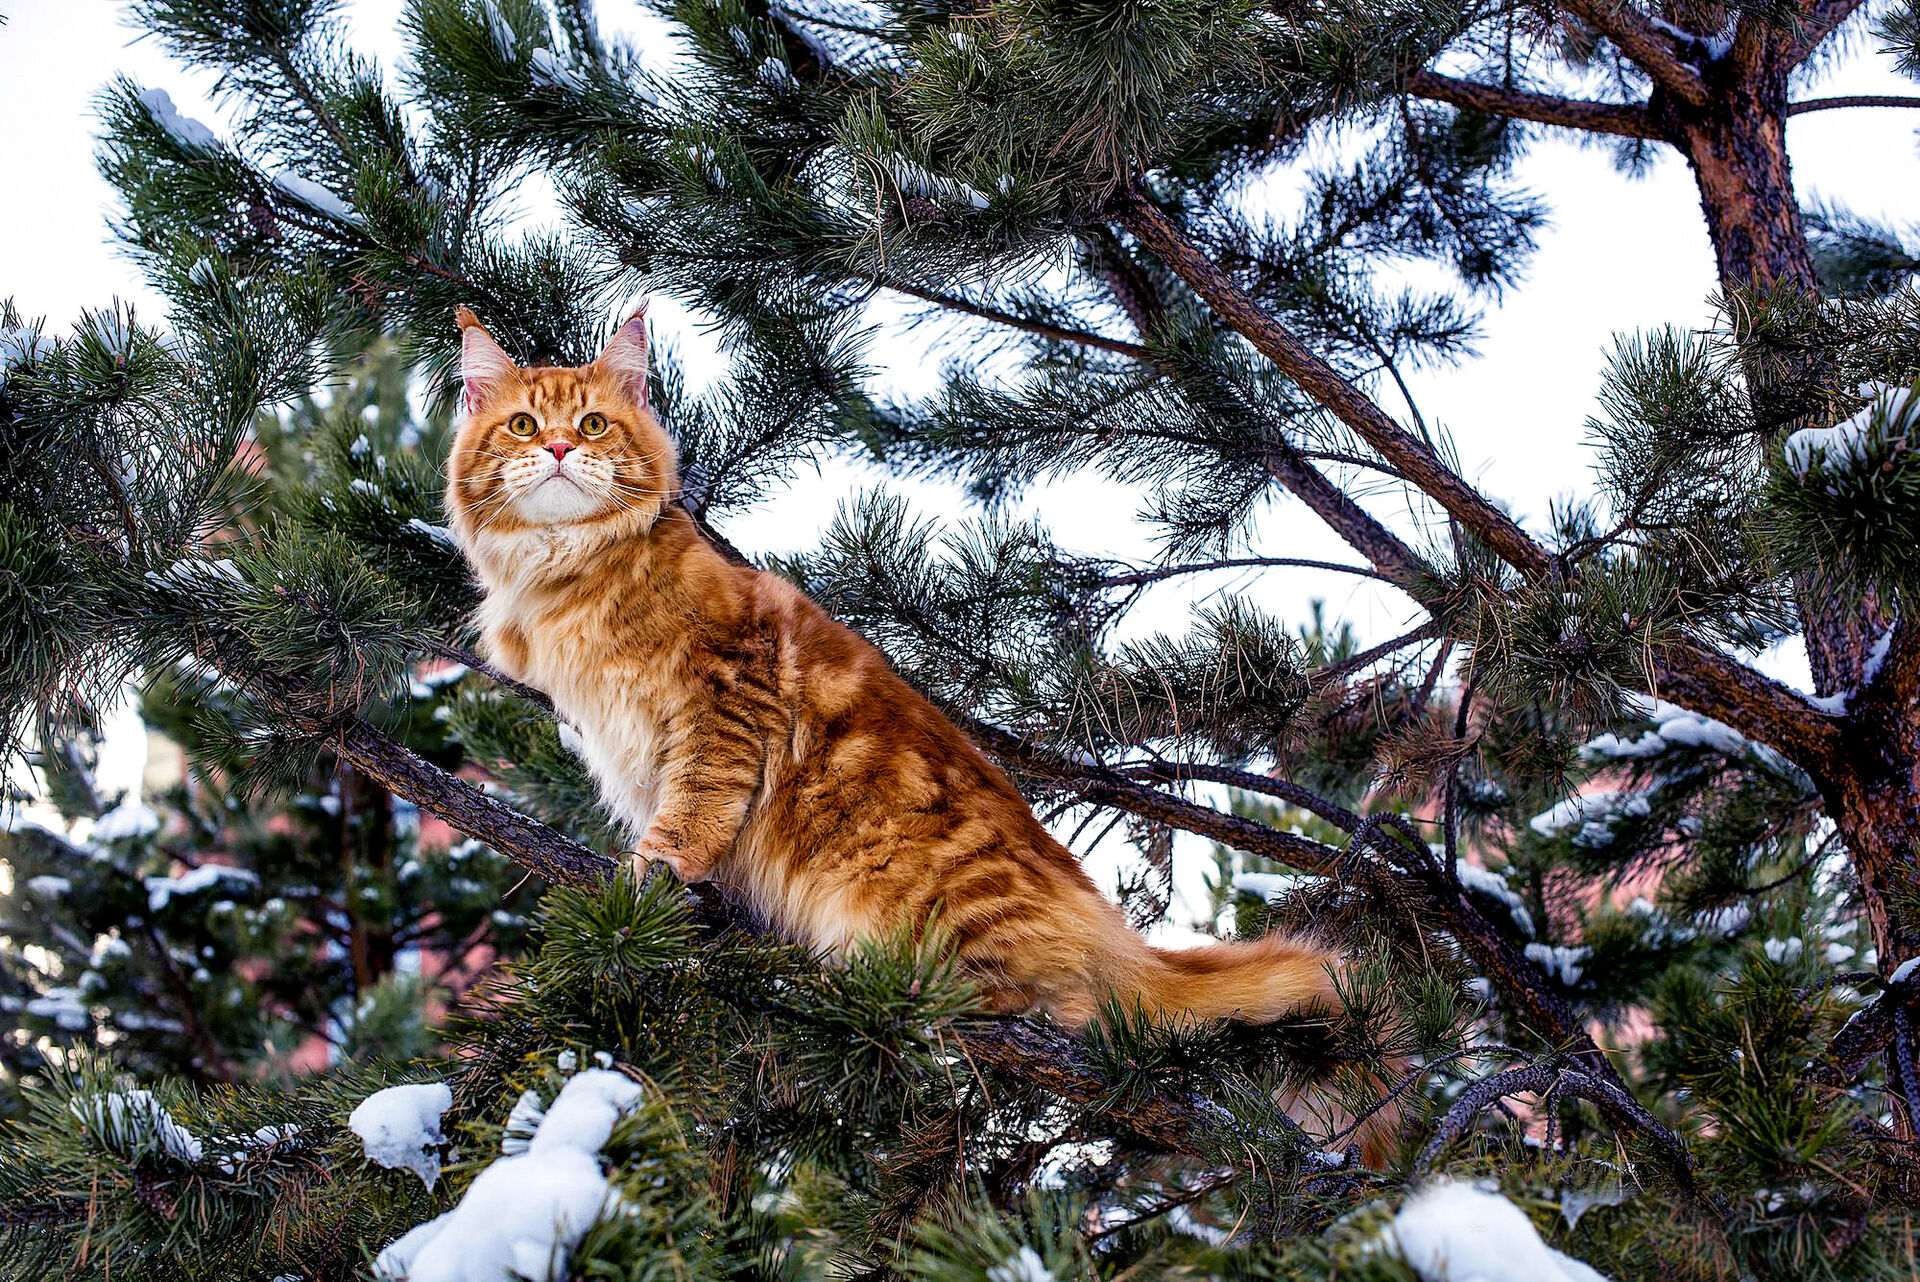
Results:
x,y
626,354
484,367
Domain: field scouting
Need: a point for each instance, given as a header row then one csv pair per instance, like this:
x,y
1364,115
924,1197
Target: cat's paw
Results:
x,y
651,853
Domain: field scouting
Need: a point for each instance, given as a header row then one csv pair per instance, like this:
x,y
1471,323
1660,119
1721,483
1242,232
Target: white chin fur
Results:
x,y
557,502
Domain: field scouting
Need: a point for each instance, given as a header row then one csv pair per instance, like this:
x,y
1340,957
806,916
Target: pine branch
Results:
x,y
1625,120
1284,790
1759,707
1821,19
1058,333
527,842
1396,562
1550,1077
1333,671
1413,456
1235,563
1850,100
1644,44
1546,1011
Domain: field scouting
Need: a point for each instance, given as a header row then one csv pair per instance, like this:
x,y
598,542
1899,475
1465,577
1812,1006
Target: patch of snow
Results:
x,y
1784,952
1903,970
1673,727
525,1119
1575,1203
916,180
1730,920
20,346
361,446
160,890
400,1127
197,574
127,1121
1454,1232
1837,954
64,1007
432,683
506,42
1559,960
1857,439
185,130
48,886
1716,47
551,73
1273,886
1024,1265
315,197
774,74
1565,814
524,1214
438,533
1489,882
131,820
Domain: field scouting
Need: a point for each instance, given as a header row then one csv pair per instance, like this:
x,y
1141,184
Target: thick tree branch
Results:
x,y
1759,707
529,843
1644,44
1106,786
1626,120
1413,456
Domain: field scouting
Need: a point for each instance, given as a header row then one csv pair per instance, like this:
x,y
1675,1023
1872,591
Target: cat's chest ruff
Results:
x,y
617,702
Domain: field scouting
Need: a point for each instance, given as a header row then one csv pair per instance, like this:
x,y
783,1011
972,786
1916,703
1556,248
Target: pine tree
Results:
x,y
216,936
1593,860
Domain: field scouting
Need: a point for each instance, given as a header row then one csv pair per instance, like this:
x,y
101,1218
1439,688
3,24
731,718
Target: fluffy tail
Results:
x,y
1255,982
1258,982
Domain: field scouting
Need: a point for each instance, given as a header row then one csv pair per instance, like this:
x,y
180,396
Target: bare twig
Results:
x,y
1850,100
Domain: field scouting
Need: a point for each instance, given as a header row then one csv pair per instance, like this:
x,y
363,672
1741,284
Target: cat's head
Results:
x,y
543,450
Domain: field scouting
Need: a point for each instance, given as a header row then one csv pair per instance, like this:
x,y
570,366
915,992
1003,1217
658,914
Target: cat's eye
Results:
x,y
522,425
593,425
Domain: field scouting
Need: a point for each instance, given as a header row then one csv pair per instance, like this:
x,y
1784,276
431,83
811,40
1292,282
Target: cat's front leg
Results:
x,y
713,772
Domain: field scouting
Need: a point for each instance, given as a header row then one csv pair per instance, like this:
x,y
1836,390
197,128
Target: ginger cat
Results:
x,y
742,735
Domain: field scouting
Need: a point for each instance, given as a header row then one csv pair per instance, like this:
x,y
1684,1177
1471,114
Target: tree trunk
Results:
x,y
1736,145
366,842
1876,799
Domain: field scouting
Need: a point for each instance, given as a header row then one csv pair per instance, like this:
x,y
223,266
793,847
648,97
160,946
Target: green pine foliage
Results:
x,y
1615,958
273,903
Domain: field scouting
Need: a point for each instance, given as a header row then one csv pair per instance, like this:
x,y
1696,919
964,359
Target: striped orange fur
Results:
x,y
741,735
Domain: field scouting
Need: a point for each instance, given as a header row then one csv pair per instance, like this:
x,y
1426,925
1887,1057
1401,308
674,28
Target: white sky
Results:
x,y
1621,255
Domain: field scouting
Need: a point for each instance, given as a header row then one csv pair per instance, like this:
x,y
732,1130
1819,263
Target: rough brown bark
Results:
x,y
1736,147
1876,798
1624,120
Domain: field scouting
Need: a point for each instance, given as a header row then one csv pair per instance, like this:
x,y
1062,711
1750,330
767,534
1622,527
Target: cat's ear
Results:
x,y
483,365
626,355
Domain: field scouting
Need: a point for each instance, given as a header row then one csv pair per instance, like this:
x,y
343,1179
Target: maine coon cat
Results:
x,y
741,735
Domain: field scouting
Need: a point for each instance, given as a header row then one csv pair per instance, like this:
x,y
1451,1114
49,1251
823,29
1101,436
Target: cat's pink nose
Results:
x,y
559,451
